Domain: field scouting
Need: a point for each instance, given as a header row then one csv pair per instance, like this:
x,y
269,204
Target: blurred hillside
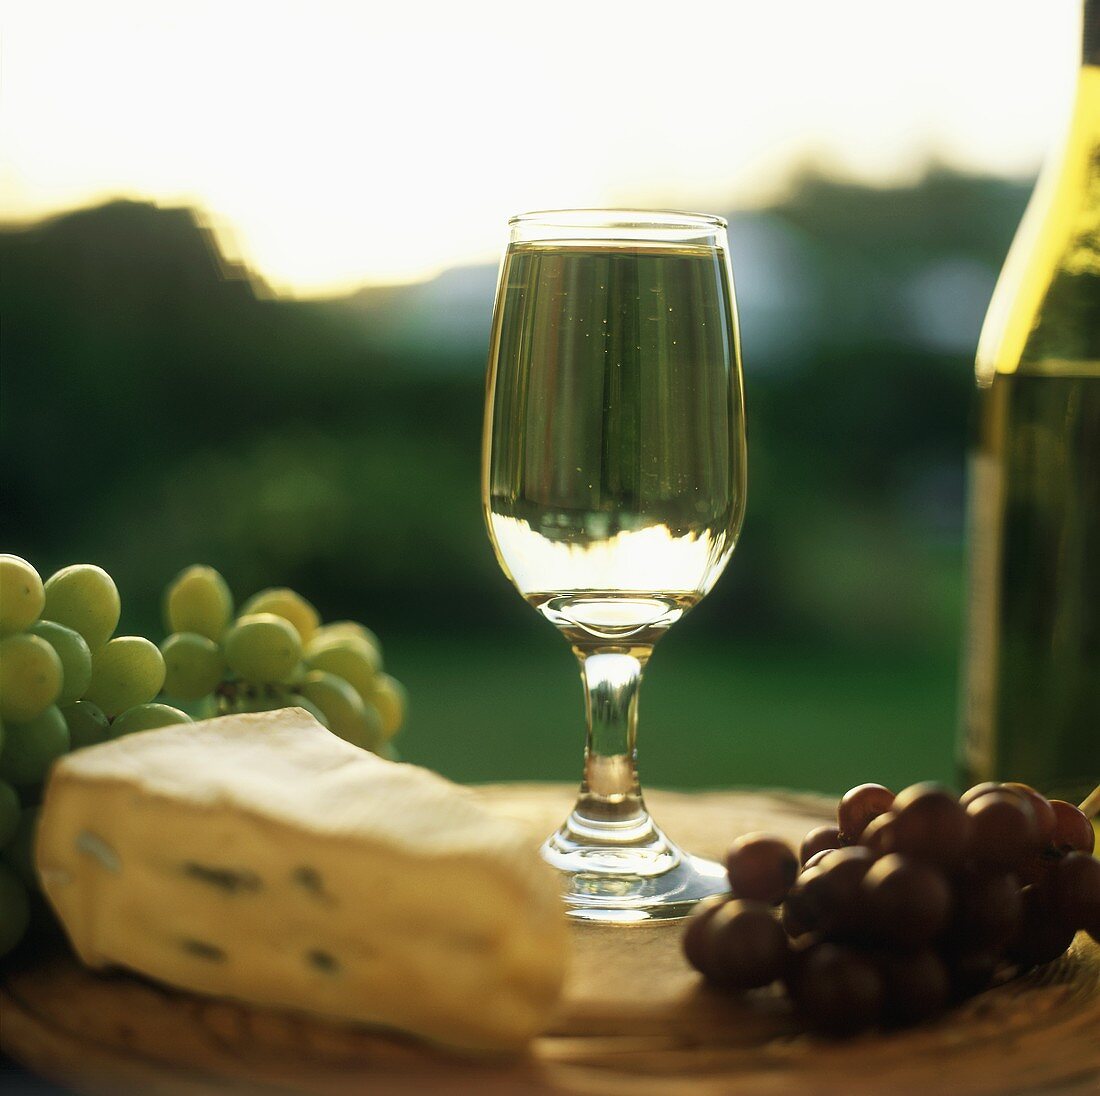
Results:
x,y
159,406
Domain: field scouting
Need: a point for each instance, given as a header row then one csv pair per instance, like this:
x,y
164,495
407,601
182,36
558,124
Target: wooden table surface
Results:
x,y
634,1018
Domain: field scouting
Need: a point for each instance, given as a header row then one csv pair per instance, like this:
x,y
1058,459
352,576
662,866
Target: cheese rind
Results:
x,y
262,858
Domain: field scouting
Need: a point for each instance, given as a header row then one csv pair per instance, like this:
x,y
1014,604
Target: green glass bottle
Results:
x,y
1032,670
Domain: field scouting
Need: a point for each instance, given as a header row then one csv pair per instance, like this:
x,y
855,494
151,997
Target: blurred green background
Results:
x,y
160,406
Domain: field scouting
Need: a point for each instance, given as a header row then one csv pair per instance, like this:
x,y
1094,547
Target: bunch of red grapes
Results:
x,y
909,904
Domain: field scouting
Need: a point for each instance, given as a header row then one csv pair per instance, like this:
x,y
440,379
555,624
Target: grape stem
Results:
x,y
1090,805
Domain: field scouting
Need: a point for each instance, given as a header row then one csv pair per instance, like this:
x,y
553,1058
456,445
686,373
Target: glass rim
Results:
x,y
619,218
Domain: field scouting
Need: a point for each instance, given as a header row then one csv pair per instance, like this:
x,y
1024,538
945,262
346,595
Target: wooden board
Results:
x,y
634,1019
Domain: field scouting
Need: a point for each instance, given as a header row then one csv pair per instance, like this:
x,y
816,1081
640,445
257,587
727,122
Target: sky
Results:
x,y
337,144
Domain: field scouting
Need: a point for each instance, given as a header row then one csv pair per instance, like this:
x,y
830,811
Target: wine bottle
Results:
x,y
1032,700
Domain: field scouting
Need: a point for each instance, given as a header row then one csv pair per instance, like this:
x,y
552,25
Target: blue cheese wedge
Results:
x,y
262,858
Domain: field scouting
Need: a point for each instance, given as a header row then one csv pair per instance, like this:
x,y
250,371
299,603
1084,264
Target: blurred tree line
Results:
x,y
160,407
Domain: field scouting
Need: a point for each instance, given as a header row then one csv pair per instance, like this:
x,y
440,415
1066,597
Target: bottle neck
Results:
x,y
1038,320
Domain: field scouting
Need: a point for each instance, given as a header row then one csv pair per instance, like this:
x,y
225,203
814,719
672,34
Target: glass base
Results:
x,y
627,871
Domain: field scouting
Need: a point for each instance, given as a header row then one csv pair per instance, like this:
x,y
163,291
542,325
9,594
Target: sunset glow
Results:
x,y
339,144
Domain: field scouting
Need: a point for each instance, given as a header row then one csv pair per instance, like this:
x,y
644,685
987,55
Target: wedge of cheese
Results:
x,y
262,858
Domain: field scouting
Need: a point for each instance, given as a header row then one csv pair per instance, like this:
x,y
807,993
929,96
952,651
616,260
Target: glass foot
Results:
x,y
628,872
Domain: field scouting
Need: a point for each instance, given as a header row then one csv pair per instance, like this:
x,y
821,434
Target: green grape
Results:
x,y
287,604
30,677
32,747
344,709
194,665
18,854
128,671
390,698
198,600
15,910
147,717
76,658
9,812
21,594
88,726
84,597
306,706
343,629
349,658
263,648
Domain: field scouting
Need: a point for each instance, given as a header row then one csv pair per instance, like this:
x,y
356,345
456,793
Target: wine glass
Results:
x,y
613,482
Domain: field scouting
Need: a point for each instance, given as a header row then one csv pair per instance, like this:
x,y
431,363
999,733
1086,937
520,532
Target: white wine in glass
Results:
x,y
613,483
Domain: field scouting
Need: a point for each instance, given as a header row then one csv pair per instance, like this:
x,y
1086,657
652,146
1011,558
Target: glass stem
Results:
x,y
610,792
609,844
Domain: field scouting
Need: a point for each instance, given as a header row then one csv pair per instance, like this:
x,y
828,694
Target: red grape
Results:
x,y
879,833
916,792
859,806
908,902
761,868
1045,932
816,859
930,825
747,945
798,951
1002,830
818,840
979,790
1037,868
1075,887
838,991
796,915
917,985
803,906
1072,829
987,908
1040,805
835,892
850,854
696,940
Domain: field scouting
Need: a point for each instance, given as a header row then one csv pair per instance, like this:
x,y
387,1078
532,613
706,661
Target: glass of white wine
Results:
x,y
613,482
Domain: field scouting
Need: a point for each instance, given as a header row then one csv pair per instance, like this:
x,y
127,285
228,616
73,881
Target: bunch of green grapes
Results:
x,y
276,653
64,683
